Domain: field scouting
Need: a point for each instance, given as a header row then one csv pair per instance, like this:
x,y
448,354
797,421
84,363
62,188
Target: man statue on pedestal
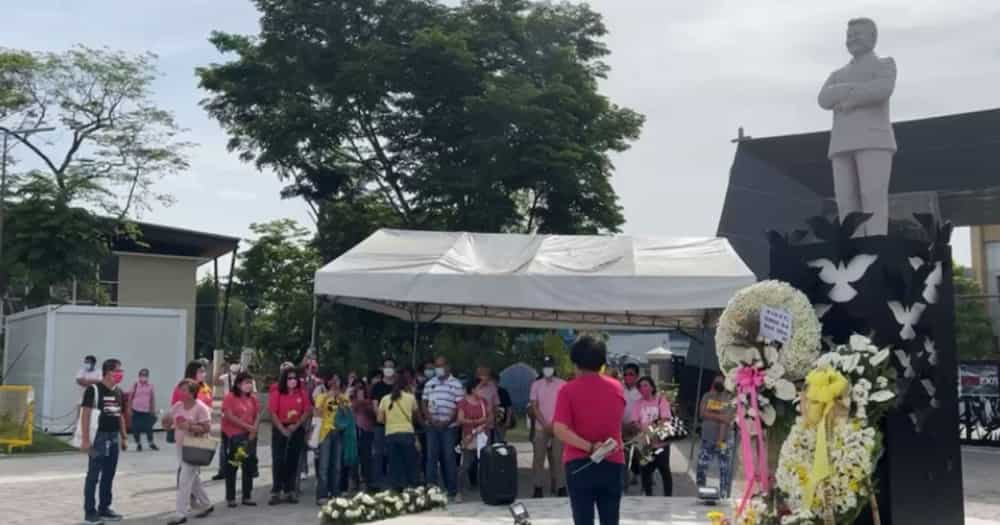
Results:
x,y
862,142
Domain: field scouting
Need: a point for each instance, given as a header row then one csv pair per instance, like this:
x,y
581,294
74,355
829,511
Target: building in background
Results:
x,y
158,270
986,268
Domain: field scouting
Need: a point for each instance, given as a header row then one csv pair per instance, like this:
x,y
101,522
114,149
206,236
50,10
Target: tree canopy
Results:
x,y
98,168
485,116
973,329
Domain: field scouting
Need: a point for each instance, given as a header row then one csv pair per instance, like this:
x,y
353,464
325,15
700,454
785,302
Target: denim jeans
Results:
x,y
378,458
441,451
402,452
328,461
599,484
100,469
710,450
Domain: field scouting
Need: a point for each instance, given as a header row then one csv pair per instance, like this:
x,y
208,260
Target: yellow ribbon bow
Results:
x,y
824,387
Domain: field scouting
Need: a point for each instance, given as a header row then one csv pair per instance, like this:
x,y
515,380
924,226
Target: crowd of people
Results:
x,y
391,429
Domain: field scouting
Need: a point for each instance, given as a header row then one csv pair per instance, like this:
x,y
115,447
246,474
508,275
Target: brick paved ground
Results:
x,y
48,490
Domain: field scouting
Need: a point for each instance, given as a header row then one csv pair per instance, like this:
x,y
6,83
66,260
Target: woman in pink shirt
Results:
x,y
142,403
189,416
646,411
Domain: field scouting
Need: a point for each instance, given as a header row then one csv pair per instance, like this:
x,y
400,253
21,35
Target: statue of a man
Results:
x,y
862,142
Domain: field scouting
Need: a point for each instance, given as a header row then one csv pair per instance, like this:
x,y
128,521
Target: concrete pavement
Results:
x,y
48,490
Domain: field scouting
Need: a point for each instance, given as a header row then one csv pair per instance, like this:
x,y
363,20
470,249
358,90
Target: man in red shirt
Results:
x,y
589,410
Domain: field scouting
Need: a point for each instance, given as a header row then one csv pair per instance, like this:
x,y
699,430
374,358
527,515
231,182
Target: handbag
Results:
x,y
95,413
199,450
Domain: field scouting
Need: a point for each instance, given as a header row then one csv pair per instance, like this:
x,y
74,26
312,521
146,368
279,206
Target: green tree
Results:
x,y
485,116
275,281
209,312
553,345
973,328
118,145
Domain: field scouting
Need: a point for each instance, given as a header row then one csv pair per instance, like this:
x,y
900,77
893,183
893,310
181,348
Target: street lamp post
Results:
x,y
3,208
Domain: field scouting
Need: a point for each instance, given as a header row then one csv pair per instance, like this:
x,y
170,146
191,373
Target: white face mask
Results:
x,y
234,369
388,372
548,371
440,371
428,373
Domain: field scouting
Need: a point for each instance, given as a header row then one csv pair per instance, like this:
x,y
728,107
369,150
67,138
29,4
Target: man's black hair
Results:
x,y
588,353
90,358
631,366
389,359
109,365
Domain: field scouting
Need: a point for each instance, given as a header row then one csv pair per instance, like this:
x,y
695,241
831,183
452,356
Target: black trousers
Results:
x,y
247,469
661,464
599,485
285,452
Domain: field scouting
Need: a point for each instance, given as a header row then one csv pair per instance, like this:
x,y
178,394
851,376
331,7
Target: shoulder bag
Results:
x,y
95,414
199,450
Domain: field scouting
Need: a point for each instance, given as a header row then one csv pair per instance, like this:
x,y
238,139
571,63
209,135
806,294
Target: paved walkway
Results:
x,y
48,490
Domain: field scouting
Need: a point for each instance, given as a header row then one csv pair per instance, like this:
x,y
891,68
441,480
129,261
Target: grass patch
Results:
x,y
42,444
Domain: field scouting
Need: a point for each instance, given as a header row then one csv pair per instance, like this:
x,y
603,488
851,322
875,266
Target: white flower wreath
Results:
x,y
737,333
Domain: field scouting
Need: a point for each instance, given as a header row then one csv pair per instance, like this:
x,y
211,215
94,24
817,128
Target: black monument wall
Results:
x,y
920,472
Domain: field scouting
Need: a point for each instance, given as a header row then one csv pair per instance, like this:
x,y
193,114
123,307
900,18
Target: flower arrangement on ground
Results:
x,y
363,507
762,372
827,462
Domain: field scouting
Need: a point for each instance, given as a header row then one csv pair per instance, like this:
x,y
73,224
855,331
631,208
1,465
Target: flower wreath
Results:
x,y
826,465
739,326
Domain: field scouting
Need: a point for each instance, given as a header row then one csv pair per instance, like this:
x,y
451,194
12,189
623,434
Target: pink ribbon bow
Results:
x,y
748,381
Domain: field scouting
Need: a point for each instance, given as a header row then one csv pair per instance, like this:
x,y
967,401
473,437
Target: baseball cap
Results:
x,y
548,361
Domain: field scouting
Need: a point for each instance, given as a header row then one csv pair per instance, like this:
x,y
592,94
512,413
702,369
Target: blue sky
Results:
x,y
697,70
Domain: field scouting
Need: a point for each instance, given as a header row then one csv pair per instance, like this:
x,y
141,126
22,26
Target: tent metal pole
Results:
x,y
697,402
416,335
312,337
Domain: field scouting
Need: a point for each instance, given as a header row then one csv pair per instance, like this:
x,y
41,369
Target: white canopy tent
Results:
x,y
540,281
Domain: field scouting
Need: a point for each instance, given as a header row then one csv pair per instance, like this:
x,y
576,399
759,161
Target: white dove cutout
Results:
x,y
841,276
907,317
931,351
933,279
904,359
822,309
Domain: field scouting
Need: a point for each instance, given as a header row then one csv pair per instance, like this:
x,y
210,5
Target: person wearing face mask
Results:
x,y
542,408
142,404
226,381
88,373
195,371
647,411
441,397
380,390
240,410
717,417
290,408
189,417
103,451
630,378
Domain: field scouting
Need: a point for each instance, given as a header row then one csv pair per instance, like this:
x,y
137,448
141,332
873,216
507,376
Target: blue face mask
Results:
x,y
89,366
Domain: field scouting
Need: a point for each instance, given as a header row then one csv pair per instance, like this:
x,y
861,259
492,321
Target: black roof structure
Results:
x,y
167,240
946,165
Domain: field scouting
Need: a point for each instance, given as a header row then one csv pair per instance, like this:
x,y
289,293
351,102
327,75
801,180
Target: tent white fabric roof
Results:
x,y
544,281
